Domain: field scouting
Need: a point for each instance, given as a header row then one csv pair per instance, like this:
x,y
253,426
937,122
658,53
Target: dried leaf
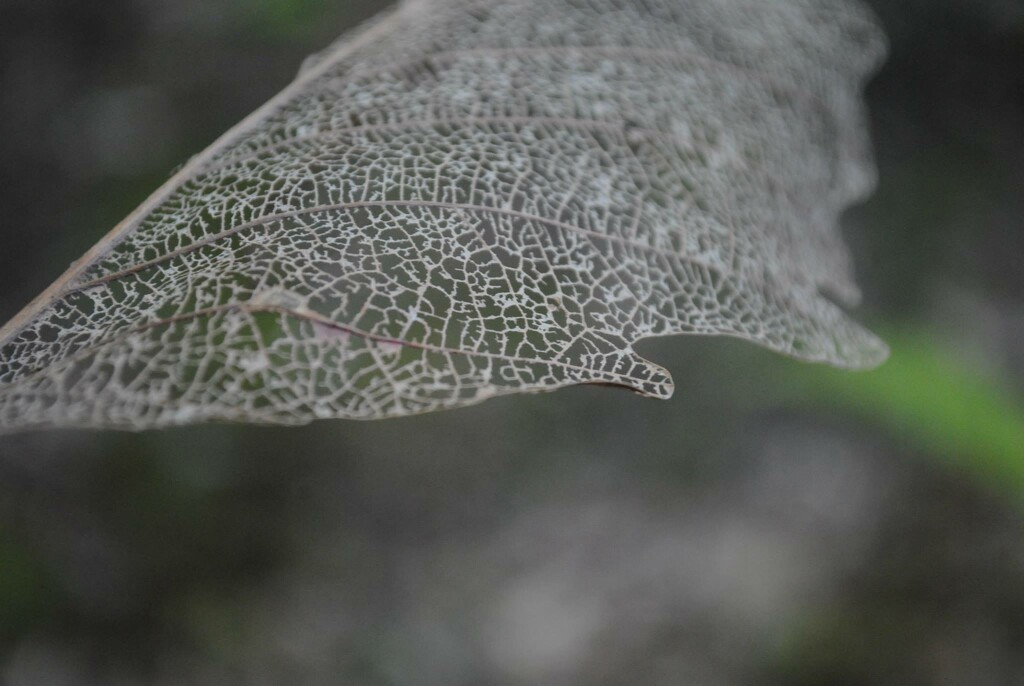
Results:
x,y
469,198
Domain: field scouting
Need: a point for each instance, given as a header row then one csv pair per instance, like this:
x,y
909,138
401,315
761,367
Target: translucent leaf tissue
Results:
x,y
470,198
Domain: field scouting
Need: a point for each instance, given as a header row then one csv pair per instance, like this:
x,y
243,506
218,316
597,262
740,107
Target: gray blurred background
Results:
x,y
774,523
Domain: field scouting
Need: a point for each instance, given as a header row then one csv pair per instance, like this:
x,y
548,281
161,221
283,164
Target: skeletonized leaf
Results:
x,y
469,198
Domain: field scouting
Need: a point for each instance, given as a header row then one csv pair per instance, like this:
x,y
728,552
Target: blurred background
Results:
x,y
774,523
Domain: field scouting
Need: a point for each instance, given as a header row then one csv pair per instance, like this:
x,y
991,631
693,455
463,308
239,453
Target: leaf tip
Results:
x,y
643,377
870,352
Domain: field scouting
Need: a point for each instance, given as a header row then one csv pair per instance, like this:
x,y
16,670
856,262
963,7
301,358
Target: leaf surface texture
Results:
x,y
469,198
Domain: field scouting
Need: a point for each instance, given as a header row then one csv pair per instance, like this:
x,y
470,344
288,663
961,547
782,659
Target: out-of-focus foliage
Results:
x,y
929,396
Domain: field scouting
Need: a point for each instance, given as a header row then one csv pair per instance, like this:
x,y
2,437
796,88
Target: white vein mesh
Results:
x,y
489,197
